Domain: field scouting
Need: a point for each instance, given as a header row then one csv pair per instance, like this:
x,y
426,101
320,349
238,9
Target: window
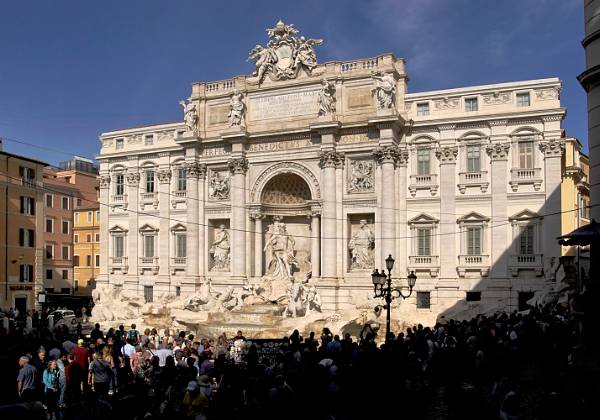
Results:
x,y
177,291
76,260
90,216
474,241
79,202
423,109
423,241
27,237
65,276
423,156
28,206
65,227
148,246
181,183
423,300
148,294
97,216
48,274
523,298
97,260
88,237
65,203
118,246
27,176
149,140
88,260
149,181
49,225
473,158
473,296
523,99
97,237
471,104
49,289
49,200
49,251
119,144
76,217
119,184
65,290
65,252
26,273
526,154
76,239
180,245
526,238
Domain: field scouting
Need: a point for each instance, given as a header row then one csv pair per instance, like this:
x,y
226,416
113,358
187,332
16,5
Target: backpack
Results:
x,y
132,335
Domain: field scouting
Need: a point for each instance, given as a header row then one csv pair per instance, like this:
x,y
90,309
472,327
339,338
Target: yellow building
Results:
x,y
575,191
86,248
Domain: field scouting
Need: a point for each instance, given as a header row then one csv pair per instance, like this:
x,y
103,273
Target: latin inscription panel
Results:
x,y
282,106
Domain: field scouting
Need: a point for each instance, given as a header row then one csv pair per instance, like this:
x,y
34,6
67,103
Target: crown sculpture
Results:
x,y
285,54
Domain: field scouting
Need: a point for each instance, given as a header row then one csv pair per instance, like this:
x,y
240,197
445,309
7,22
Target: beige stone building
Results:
x,y
312,174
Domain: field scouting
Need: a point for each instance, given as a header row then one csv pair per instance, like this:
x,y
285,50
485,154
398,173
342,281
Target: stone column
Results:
x,y
315,239
448,255
192,171
387,157
164,232
328,161
552,150
238,168
258,244
104,227
133,198
201,240
401,215
498,153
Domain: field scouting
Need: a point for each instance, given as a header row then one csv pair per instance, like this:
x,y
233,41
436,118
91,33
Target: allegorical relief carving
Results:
x,y
285,54
384,90
237,110
446,103
547,94
360,176
219,250
327,98
135,139
497,98
219,185
361,248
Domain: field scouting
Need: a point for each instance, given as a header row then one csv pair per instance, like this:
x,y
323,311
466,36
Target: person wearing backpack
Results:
x,y
133,335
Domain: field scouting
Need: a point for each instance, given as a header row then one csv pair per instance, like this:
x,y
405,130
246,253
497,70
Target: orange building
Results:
x,y
21,231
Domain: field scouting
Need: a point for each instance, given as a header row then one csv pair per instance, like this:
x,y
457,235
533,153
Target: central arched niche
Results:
x,y
286,189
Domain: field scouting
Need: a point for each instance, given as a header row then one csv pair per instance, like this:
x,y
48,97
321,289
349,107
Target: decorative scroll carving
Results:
x,y
164,176
195,170
447,154
327,100
552,148
133,178
104,181
238,166
498,151
219,186
331,159
360,177
286,167
385,90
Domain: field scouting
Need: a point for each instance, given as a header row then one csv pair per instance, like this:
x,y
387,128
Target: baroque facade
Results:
x,y
312,174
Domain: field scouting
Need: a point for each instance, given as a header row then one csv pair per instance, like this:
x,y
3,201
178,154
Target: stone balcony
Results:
x,y
528,176
178,264
178,198
429,263
118,263
148,198
148,264
473,179
423,182
473,263
119,200
526,262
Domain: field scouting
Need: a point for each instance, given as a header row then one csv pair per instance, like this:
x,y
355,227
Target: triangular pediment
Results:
x,y
423,218
117,229
525,215
178,228
473,217
148,228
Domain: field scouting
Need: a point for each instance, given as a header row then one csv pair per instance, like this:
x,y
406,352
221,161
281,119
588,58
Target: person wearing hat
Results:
x,y
194,402
204,384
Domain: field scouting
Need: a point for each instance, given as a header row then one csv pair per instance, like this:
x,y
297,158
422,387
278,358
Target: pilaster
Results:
x,y
133,193
498,153
448,255
164,233
552,150
329,161
104,180
238,168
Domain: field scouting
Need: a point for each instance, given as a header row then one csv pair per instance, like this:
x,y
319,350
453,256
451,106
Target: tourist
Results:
x,y
82,355
195,404
99,375
51,381
239,336
27,380
96,333
133,334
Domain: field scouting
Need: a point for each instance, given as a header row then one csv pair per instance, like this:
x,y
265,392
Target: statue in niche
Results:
x,y
219,250
218,186
361,177
326,98
280,252
361,247
237,110
190,116
385,89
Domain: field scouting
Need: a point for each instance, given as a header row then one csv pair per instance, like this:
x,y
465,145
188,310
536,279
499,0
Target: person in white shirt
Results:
x,y
127,350
162,354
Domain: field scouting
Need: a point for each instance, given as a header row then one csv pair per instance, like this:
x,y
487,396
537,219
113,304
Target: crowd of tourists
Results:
x,y
509,366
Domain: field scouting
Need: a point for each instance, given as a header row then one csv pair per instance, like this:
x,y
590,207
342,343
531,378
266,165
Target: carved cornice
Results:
x,y
447,154
498,151
331,159
443,127
133,178
195,170
238,165
104,181
498,122
388,154
164,176
549,118
552,148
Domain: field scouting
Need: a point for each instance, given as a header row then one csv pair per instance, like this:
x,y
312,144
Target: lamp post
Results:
x,y
387,292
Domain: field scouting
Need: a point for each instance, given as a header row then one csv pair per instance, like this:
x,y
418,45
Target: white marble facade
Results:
x,y
322,170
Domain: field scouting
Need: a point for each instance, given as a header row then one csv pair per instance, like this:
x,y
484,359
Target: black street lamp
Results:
x,y
388,292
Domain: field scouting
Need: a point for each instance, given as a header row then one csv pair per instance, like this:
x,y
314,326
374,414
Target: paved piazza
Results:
x,y
271,203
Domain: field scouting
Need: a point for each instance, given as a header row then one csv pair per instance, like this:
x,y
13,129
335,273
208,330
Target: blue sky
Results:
x,y
70,70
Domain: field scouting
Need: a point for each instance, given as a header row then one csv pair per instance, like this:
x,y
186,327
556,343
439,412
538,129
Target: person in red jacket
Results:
x,y
82,355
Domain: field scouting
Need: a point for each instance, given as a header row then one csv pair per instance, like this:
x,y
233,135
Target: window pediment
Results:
x,y
473,217
148,229
423,219
178,228
117,229
525,216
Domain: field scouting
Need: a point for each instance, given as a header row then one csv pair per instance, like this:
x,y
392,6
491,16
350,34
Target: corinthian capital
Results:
x,y
133,178
447,154
164,176
195,170
104,181
402,157
498,151
331,159
552,148
238,165
388,154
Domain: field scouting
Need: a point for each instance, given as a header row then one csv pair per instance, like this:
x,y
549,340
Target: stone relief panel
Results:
x,y
220,245
219,185
446,103
358,97
361,246
497,98
547,94
361,177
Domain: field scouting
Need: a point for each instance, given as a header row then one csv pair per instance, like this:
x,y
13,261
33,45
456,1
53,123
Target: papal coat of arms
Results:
x,y
285,54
